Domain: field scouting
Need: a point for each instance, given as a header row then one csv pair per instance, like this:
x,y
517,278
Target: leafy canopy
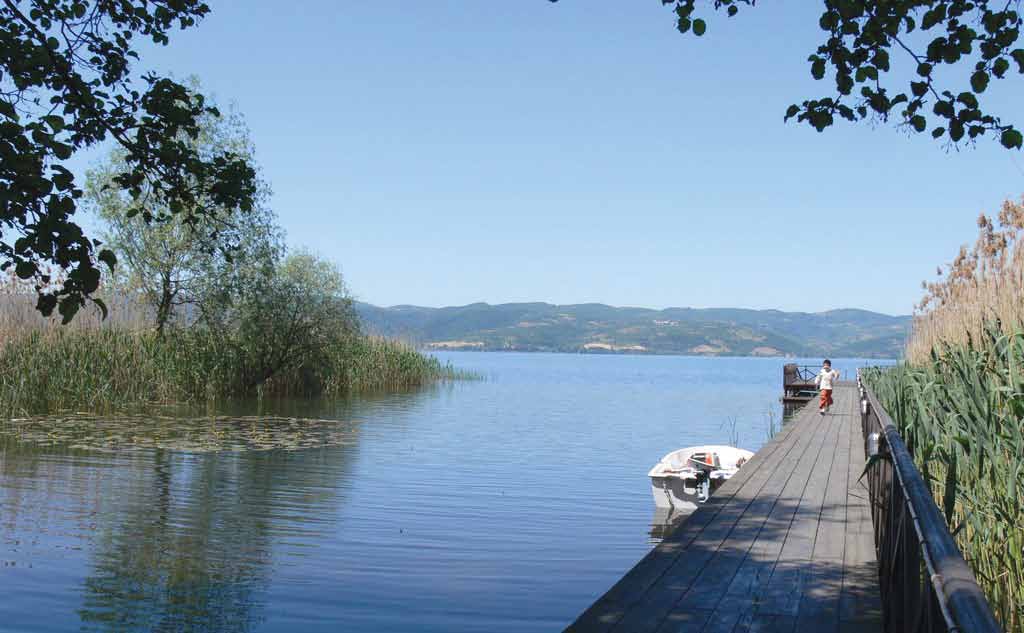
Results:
x,y
863,36
171,265
66,83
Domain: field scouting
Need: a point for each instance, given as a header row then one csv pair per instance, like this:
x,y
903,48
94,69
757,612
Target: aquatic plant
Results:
x,y
123,363
110,369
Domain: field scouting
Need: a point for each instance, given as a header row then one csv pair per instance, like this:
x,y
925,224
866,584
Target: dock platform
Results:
x,y
787,544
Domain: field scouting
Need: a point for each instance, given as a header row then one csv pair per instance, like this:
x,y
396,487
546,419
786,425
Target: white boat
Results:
x,y
688,476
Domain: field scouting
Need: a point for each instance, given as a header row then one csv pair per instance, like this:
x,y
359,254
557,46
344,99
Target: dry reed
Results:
x,y
983,285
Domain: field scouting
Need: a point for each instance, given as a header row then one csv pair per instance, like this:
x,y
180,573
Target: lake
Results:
x,y
508,503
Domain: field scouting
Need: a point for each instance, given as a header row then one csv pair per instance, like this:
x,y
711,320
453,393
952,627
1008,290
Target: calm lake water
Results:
x,y
505,504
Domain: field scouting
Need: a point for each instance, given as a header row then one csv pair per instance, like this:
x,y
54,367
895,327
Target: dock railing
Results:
x,y
798,383
925,583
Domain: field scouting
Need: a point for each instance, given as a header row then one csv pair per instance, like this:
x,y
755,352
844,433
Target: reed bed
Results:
x,y
959,402
961,416
123,364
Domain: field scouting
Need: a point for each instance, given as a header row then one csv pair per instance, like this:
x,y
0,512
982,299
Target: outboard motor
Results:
x,y
703,485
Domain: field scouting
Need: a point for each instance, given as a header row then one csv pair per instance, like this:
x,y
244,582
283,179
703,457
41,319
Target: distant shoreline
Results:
x,y
602,329
477,350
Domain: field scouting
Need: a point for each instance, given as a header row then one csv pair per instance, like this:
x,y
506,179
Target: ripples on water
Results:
x,y
507,504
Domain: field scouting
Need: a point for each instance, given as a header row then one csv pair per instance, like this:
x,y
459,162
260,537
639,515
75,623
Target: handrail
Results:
x,y
943,595
804,373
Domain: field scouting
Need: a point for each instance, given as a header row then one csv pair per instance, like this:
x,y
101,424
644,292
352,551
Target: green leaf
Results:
x,y
7,109
68,307
871,462
979,81
1000,66
943,108
937,132
55,122
818,68
1018,56
956,130
918,123
791,112
949,490
1011,139
102,306
699,27
107,257
62,150
24,269
968,99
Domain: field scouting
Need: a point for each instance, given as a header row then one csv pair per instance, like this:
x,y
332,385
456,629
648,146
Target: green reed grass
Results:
x,y
115,369
962,417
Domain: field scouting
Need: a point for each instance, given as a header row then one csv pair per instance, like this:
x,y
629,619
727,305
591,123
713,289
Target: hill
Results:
x,y
595,327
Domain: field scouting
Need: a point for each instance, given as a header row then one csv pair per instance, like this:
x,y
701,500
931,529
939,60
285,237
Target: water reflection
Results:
x,y
664,522
506,504
177,541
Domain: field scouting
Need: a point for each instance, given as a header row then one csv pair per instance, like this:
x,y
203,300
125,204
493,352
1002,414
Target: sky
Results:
x,y
449,152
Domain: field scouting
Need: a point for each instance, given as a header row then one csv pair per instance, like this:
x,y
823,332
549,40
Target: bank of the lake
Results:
x,y
509,503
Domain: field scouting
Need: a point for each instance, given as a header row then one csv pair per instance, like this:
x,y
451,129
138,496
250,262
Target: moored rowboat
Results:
x,y
688,476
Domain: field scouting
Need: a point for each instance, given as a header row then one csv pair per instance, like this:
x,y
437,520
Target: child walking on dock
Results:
x,y
824,381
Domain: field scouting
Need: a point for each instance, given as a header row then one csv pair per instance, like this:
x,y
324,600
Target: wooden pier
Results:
x,y
787,544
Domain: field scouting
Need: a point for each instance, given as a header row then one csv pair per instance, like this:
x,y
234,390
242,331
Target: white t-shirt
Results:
x,y
825,377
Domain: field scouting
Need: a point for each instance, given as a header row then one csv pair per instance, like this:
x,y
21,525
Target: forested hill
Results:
x,y
598,328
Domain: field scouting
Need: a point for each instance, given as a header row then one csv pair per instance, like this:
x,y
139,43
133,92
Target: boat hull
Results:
x,y
673,493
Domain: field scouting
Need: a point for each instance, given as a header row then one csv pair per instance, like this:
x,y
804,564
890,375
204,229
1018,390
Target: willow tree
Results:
x,y
176,262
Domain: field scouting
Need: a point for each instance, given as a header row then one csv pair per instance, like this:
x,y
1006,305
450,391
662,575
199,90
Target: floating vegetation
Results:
x,y
194,435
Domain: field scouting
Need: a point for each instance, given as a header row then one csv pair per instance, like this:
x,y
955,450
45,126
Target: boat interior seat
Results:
x,y
705,461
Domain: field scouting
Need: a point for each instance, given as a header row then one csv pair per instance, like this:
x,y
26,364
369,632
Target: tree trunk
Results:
x,y
163,310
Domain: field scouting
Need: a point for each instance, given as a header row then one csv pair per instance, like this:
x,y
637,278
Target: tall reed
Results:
x,y
961,416
983,284
121,363
959,403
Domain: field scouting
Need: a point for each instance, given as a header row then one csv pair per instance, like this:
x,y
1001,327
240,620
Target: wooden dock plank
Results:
x,y
610,608
819,602
750,580
785,545
860,606
716,579
656,603
793,570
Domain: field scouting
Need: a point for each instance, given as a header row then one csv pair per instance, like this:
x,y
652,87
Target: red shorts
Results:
x,y
826,398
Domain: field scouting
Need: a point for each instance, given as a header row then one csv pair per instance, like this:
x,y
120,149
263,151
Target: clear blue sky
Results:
x,y
446,152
